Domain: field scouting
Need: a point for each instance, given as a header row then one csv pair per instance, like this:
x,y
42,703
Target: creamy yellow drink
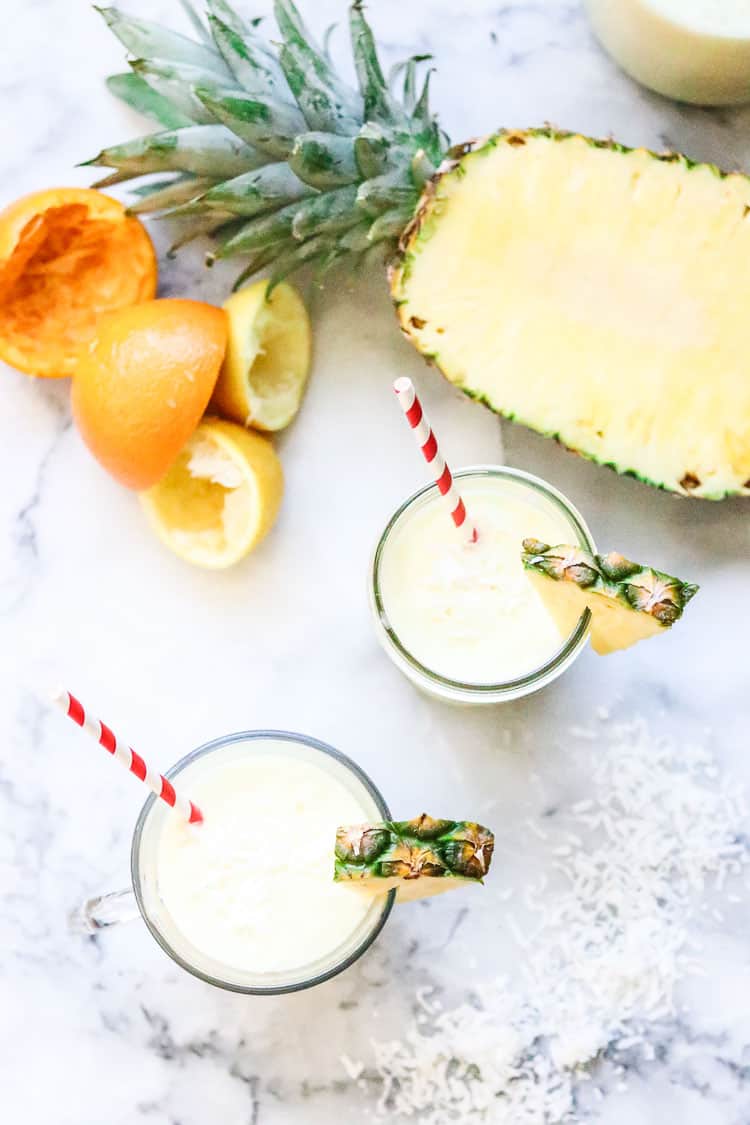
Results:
x,y
251,888
466,611
692,50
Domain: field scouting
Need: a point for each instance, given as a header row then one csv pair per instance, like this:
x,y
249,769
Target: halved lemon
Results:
x,y
267,359
220,497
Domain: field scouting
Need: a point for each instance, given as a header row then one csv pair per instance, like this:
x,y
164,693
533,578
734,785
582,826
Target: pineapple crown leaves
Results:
x,y
265,147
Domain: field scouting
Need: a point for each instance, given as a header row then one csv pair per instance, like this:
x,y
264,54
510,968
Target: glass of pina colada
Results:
x,y
460,617
246,900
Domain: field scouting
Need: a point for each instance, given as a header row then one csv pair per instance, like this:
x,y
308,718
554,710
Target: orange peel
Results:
x,y
67,255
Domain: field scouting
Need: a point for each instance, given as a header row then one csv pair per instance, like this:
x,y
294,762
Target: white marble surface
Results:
x,y
108,1029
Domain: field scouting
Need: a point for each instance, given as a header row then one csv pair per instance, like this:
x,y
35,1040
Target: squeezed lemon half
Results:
x,y
220,497
267,360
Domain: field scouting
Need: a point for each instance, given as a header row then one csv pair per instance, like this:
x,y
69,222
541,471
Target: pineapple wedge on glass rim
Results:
x,y
586,290
628,602
417,858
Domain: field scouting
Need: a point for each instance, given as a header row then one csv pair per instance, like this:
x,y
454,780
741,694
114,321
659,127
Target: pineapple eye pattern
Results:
x,y
627,601
413,849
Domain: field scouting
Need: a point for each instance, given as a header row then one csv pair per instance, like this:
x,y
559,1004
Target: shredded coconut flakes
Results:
x,y
603,954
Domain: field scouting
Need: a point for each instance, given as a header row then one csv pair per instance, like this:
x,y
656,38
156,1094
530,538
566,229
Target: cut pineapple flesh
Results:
x,y
416,858
628,602
595,294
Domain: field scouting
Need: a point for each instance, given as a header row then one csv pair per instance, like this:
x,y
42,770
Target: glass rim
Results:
x,y
200,752
490,692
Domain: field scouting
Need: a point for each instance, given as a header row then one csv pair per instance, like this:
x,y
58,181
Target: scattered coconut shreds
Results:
x,y
353,1069
601,956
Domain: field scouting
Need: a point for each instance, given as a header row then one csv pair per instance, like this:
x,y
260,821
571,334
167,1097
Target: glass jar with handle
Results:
x,y
246,900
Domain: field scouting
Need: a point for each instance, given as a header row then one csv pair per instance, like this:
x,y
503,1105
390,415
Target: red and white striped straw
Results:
x,y
427,442
128,757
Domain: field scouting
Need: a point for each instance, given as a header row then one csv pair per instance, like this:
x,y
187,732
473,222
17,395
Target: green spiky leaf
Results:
x,y
205,150
372,146
136,93
324,160
321,249
147,40
378,103
388,224
322,108
326,213
409,69
260,259
255,192
195,19
327,103
269,125
114,178
247,29
259,233
216,223
165,197
357,238
382,193
176,81
151,186
253,69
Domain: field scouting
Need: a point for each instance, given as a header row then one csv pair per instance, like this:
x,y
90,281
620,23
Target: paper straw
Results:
x,y
128,757
427,442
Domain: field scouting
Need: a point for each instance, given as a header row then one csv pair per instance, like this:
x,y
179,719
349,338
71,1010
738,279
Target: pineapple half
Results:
x,y
592,292
628,602
596,294
418,857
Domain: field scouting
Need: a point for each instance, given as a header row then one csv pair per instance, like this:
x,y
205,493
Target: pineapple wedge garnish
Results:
x,y
628,602
417,858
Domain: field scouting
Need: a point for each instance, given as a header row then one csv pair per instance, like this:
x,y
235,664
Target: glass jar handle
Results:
x,y
103,911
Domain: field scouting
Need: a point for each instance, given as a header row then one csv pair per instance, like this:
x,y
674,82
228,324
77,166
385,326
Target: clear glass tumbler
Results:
x,y
144,900
539,493
695,53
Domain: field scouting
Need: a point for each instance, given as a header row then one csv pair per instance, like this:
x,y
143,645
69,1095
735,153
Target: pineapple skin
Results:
x,y
425,223
400,852
628,602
